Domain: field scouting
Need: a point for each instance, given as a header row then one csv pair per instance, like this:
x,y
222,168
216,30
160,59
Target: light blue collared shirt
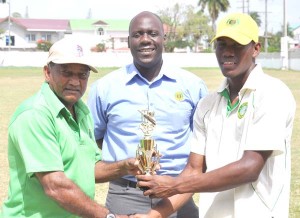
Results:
x,y
115,99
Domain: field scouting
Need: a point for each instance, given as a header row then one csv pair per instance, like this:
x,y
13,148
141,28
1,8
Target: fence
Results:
x,y
115,59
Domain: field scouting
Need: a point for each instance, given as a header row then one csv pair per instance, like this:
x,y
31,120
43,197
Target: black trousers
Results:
x,y
124,198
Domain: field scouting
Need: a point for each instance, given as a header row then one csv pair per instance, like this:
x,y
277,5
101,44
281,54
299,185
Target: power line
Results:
x,y
245,6
265,36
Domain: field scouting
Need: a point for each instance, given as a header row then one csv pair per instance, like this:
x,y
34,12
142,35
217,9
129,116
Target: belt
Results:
x,y
125,183
129,183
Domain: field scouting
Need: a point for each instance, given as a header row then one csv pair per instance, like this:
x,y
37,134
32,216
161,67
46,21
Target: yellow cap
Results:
x,y
239,27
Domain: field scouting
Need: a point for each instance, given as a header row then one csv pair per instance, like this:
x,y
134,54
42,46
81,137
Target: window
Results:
x,y
30,38
100,31
9,40
46,37
124,39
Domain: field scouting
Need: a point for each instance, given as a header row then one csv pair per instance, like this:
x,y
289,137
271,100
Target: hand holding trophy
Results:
x,y
147,152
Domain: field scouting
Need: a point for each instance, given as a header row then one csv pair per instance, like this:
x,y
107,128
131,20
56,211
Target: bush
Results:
x,y
99,48
171,45
43,45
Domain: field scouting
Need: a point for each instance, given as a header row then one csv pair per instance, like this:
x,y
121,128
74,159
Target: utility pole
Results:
x,y
248,6
8,3
266,26
284,41
245,6
9,42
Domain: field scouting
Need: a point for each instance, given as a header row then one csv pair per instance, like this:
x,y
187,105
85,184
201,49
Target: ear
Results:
x,y
128,42
257,48
46,73
165,39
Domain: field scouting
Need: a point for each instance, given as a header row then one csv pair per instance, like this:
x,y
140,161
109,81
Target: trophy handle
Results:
x,y
148,156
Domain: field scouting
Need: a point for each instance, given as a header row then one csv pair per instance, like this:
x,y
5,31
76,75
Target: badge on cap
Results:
x,y
79,51
232,22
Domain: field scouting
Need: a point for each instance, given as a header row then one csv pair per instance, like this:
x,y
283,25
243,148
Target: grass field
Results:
x,y
16,84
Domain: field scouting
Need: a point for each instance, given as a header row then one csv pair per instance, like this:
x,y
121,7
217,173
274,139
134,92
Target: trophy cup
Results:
x,y
147,152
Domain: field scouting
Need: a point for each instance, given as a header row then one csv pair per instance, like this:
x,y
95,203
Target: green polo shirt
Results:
x,y
42,137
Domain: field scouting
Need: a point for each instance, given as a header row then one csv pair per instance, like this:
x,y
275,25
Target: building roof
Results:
x,y
82,24
100,23
89,24
40,24
296,27
68,25
118,24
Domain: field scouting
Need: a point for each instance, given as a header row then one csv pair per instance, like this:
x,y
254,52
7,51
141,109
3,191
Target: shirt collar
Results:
x,y
168,71
55,105
165,72
254,78
251,82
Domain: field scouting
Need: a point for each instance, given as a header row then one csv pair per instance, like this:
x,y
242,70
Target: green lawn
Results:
x,y
16,84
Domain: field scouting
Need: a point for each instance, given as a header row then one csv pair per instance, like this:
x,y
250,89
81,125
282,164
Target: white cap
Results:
x,y
68,51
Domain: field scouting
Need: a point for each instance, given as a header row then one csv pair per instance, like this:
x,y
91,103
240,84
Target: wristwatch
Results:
x,y
110,215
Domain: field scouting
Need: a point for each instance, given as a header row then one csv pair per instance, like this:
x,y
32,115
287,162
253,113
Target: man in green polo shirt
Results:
x,y
53,158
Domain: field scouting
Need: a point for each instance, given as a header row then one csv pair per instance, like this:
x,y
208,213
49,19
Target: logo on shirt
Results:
x,y
179,96
242,110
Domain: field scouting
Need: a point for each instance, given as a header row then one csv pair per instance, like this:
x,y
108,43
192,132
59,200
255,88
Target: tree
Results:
x,y
2,31
289,31
16,15
196,27
274,40
255,17
172,17
184,28
214,8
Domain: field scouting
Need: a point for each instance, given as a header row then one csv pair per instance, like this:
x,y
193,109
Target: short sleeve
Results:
x,y
33,135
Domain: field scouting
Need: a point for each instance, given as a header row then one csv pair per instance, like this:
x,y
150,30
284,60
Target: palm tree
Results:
x,y
255,17
214,8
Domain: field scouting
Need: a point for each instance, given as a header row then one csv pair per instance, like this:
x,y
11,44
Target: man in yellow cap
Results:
x,y
54,160
240,154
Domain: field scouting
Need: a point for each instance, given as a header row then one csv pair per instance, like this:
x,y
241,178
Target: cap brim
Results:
x,y
74,61
236,36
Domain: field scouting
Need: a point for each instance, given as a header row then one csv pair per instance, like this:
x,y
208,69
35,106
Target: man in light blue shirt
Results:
x,y
146,84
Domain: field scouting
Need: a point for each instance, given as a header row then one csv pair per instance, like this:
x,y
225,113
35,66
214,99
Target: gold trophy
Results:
x,y
147,152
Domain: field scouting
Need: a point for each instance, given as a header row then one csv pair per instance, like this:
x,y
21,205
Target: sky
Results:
x,y
126,9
